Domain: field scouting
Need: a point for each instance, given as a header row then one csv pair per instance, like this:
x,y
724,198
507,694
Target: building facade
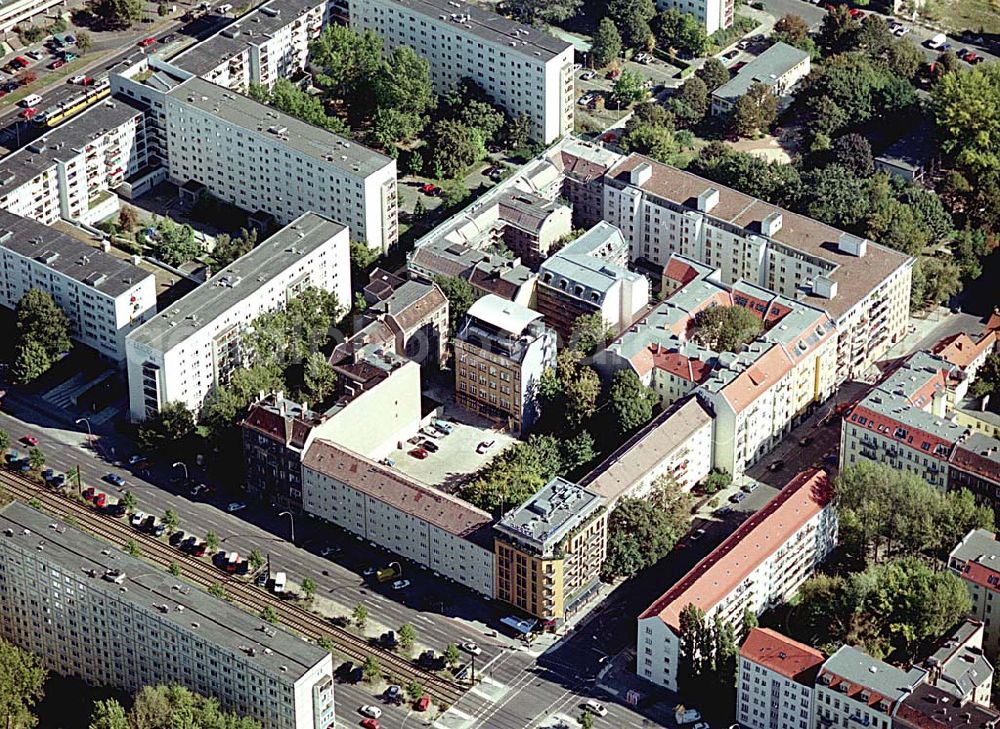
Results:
x,y
864,288
501,351
427,526
711,15
414,313
775,681
95,613
549,550
181,354
759,565
976,559
854,688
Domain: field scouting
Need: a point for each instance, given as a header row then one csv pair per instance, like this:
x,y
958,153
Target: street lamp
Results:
x,y
399,568
291,519
184,466
90,435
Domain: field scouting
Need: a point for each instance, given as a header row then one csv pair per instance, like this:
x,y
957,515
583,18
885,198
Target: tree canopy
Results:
x,y
515,475
606,45
966,108
632,17
987,380
172,243
169,707
632,403
727,328
536,12
116,14
460,294
169,426
22,678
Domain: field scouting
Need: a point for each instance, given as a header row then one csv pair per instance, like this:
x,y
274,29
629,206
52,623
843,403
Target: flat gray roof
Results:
x,y
549,515
156,591
101,271
581,261
235,282
63,142
859,668
766,68
979,545
489,27
242,111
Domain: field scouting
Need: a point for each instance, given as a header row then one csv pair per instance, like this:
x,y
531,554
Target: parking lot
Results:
x,y
656,71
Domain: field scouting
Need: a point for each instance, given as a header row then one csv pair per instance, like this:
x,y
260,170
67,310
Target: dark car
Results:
x,y
387,639
176,537
115,510
344,670
428,446
737,497
167,38
805,441
777,465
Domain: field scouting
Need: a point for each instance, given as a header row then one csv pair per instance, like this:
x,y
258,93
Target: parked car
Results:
x,y
430,189
805,440
737,497
422,703
595,707
146,42
750,486
235,506
58,63
419,453
115,480
167,38
428,446
137,518
394,694
328,550
373,711
587,75
400,584
469,647
697,534
29,440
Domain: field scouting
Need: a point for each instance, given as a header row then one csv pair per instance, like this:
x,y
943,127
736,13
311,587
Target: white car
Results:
x,y
701,725
584,100
373,711
595,707
78,79
469,647
137,518
587,75
235,506
400,584
577,66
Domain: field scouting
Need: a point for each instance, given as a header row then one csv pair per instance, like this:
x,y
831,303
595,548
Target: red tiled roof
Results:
x,y
887,427
718,574
783,655
693,370
679,271
267,422
969,460
749,384
960,349
982,575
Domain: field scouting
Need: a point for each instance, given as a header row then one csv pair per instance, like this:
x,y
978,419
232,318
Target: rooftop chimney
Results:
x,y
708,200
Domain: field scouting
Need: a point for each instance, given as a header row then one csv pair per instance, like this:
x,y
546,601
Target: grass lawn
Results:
x,y
46,79
974,15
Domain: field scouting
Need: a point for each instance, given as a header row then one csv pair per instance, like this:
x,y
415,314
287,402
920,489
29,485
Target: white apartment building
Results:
x,y
864,288
70,172
712,15
976,559
775,682
13,14
268,43
103,296
95,613
523,69
854,689
759,565
180,354
677,443
380,504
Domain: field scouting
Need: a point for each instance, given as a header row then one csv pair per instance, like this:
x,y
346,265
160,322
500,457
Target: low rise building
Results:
x,y
959,666
927,707
775,682
501,351
92,612
854,688
864,288
976,559
384,506
549,550
104,297
182,353
416,315
966,354
677,444
488,273
779,68
525,70
760,565
590,276
532,224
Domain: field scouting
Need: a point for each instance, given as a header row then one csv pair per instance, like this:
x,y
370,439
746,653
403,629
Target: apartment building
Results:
x,y
103,296
759,565
779,68
21,12
382,505
864,288
92,612
533,225
959,666
580,168
413,314
590,276
756,394
677,444
712,15
525,70
927,707
70,172
549,550
266,44
854,688
183,352
976,559
775,681
966,354
501,351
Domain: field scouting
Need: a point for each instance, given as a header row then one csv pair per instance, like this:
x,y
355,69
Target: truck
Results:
x,y
279,582
387,573
233,561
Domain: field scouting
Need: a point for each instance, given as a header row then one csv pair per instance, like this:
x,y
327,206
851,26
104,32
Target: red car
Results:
x,y
419,453
370,723
856,13
430,189
29,439
58,63
28,113
423,702
20,62
146,42
609,137
613,74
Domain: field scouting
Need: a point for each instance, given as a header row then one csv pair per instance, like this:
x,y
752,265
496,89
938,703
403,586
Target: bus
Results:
x,y
57,114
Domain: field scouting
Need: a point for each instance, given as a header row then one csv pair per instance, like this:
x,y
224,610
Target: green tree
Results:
x,y
170,520
371,671
350,61
966,108
586,720
838,31
727,328
390,127
108,714
83,41
4,440
414,690
777,183
749,622
717,481
947,63
269,614
404,82
451,655
116,13
174,569
569,392
755,111
460,294
31,361
987,380
854,152
212,542
632,17
256,559
163,10
160,707
631,402
680,31
455,147
320,379
606,45
659,143
129,501
517,131
309,588
791,29
169,426
904,59
407,636
629,88
935,280
132,548
174,244
577,450
874,36
542,12
695,651
229,248
714,73
643,531
693,95
589,332
360,615
289,98
40,319
23,678
515,475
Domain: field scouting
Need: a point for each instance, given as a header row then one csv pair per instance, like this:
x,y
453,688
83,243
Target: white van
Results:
x,y
937,41
223,9
31,100
279,582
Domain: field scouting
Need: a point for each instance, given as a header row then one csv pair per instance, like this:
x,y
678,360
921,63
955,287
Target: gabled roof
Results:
x,y
783,655
868,680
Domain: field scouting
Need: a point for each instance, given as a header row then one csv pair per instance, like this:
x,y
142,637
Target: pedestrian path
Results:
x,y
62,395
